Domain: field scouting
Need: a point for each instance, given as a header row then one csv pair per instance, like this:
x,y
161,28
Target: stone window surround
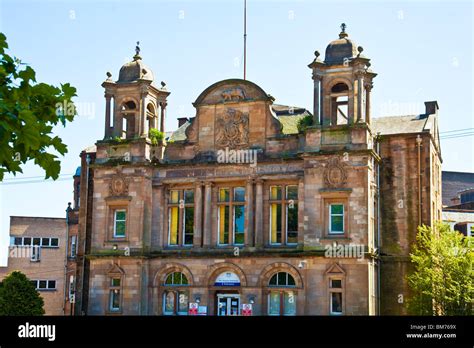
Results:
x,y
331,290
231,203
335,196
335,272
284,202
111,288
112,206
169,205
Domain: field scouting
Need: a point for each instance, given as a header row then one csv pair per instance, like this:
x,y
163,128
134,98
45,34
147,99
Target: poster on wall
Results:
x,y
193,308
246,309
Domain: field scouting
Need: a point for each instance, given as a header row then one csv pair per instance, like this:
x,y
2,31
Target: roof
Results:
x,y
402,124
135,70
289,117
453,183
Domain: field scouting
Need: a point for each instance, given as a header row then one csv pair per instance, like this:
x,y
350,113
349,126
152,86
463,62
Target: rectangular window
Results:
x,y
54,242
239,223
115,300
224,224
289,303
175,302
174,225
120,220
188,225
43,285
231,208
336,283
336,303
45,242
284,214
37,241
281,303
73,246
18,241
114,294
181,217
274,303
336,219
27,241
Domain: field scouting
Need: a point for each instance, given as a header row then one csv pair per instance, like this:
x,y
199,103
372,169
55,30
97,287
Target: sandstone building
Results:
x,y
37,249
241,212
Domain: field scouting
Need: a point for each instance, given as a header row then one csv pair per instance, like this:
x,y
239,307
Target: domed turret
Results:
x,y
135,70
339,50
342,84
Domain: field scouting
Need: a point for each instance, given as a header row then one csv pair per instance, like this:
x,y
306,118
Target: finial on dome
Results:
x,y
137,51
343,33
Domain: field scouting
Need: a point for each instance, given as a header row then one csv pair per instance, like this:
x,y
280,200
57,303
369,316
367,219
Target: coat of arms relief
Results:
x,y
232,129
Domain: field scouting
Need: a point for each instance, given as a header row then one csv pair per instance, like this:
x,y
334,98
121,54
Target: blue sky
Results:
x,y
422,50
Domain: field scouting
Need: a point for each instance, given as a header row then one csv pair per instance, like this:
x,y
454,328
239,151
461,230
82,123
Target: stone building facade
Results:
x,y
37,249
243,212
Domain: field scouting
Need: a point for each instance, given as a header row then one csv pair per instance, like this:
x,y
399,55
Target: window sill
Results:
x,y
336,236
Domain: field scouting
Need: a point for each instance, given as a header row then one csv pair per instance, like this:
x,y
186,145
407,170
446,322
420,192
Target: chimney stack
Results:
x,y
182,120
431,108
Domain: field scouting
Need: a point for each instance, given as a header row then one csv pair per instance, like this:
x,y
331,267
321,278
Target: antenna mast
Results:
x,y
245,38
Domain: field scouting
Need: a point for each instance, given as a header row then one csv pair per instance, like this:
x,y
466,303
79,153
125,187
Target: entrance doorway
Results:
x,y
228,304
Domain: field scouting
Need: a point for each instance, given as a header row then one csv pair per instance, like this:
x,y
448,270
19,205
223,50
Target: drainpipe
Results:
x,y
378,225
65,259
88,160
418,144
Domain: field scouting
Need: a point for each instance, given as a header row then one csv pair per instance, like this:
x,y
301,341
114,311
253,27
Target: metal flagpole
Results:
x,y
245,38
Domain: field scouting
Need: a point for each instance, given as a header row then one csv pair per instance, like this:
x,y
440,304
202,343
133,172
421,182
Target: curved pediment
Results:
x,y
231,91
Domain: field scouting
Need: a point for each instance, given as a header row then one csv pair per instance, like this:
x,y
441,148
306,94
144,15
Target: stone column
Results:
x,y
316,99
108,129
360,95
143,127
158,213
197,241
249,215
259,213
207,226
368,90
162,124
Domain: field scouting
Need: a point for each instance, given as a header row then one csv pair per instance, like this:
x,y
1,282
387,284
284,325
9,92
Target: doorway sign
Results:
x,y
227,279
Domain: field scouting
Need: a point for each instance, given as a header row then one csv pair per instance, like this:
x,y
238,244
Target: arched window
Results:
x,y
128,119
281,301
151,116
176,296
282,279
339,104
176,278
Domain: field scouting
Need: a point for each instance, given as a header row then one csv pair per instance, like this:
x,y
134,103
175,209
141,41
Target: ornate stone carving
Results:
x,y
233,93
335,174
191,131
232,129
118,186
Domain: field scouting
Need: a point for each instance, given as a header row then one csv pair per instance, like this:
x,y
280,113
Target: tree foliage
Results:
x,y
28,113
443,280
18,296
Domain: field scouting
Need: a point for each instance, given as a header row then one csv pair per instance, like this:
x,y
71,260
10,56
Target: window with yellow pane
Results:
x,y
284,214
231,223
181,217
